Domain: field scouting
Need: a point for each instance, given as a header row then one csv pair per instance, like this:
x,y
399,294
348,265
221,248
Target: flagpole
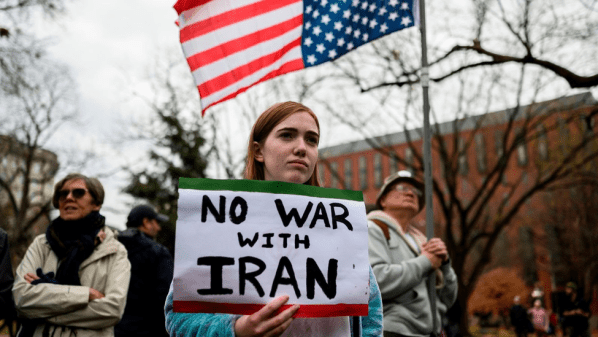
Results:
x,y
427,151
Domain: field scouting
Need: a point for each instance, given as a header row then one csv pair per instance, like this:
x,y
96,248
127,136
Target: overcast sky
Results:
x,y
104,43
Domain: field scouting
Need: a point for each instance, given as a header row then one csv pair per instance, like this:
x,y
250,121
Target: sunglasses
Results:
x,y
406,188
78,193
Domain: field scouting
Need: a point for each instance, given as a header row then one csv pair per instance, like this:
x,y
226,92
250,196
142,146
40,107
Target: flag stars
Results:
x,y
405,6
355,3
316,14
332,54
364,5
393,16
334,8
348,30
324,3
308,9
340,42
406,21
364,21
329,37
373,24
311,59
355,17
383,28
308,25
349,45
320,48
356,33
317,30
365,37
393,2
308,41
338,25
346,14
325,19
372,8
382,11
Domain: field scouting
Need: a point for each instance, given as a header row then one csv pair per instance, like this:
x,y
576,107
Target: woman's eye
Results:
x,y
286,135
312,140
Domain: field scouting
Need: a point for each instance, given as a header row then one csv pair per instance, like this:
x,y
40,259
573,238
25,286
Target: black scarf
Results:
x,y
73,242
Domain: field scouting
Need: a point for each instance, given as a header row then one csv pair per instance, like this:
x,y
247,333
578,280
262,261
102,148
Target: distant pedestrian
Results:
x,y
519,318
540,319
151,274
576,313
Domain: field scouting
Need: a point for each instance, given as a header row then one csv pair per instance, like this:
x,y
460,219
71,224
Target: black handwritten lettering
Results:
x,y
206,204
284,237
314,274
298,241
238,218
320,215
293,214
285,264
251,276
216,264
243,242
340,217
268,243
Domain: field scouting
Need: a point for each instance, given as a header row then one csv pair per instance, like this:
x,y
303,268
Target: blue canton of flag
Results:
x,y
333,28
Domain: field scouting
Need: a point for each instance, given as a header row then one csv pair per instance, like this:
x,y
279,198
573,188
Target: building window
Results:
x,y
542,143
334,175
409,159
498,143
393,163
348,170
480,152
377,170
321,174
363,173
521,147
463,165
564,135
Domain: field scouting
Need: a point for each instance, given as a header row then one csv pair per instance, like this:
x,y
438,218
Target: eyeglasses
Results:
x,y
406,188
77,193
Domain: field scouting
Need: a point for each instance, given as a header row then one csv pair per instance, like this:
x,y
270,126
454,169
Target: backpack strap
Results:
x,y
384,227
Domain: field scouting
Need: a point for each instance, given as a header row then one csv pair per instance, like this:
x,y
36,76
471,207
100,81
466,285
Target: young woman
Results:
x,y
283,146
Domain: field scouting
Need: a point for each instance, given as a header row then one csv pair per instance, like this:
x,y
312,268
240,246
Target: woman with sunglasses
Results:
x,y
283,146
73,280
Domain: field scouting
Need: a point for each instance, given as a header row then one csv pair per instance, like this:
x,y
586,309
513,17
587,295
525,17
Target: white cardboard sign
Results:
x,y
241,243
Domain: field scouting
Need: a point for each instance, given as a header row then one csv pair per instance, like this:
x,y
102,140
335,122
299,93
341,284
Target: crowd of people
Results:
x,y
82,278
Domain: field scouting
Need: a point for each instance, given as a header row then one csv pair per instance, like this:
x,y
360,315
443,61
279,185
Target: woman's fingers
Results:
x,y
265,322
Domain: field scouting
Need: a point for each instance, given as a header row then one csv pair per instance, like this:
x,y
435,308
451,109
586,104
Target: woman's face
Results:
x,y
290,151
71,205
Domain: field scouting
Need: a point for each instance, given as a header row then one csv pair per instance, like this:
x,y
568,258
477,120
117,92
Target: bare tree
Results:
x,y
34,111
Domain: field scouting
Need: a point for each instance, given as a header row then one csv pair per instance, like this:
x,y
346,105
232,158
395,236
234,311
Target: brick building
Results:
x,y
466,156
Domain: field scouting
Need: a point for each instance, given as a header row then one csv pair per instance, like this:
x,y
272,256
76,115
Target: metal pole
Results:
x,y
427,151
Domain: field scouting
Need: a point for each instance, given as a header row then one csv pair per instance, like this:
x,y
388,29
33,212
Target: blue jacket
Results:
x,y
221,325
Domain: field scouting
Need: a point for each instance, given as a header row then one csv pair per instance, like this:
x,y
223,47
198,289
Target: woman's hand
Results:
x,y
437,247
264,323
95,295
29,277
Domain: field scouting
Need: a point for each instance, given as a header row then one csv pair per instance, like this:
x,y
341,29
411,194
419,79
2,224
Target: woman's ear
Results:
x,y
257,150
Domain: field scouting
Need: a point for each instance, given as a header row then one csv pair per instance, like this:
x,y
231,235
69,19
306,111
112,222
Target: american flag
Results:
x,y
231,45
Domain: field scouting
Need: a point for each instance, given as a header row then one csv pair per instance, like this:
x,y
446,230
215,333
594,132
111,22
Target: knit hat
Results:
x,y
407,177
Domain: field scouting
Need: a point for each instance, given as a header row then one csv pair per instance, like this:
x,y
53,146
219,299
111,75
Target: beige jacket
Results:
x,y
66,309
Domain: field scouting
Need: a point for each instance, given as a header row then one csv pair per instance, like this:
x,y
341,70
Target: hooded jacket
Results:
x,y
65,310
402,273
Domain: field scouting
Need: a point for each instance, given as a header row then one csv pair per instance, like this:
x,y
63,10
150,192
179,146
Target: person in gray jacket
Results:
x,y
402,259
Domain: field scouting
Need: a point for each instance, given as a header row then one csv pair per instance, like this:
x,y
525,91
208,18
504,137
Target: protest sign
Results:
x,y
241,243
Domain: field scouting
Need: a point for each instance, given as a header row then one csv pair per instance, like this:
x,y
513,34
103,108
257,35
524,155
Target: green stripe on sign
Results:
x,y
260,186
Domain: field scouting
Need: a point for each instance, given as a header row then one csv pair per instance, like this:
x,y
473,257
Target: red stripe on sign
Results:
x,y
285,68
183,5
235,75
213,23
234,46
311,310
